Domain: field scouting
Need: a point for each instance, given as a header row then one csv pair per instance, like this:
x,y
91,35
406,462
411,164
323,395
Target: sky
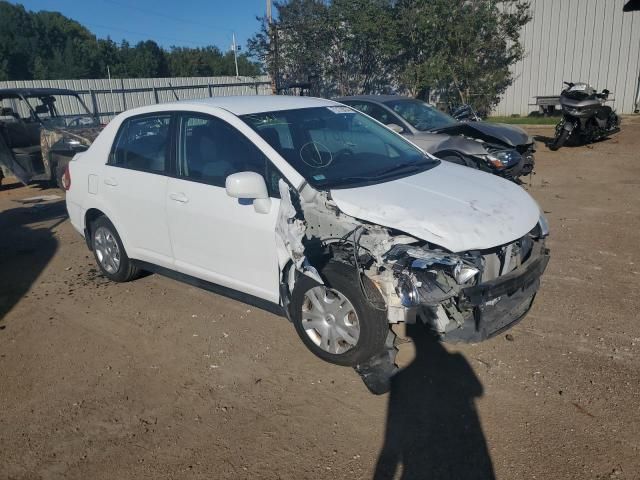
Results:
x,y
187,23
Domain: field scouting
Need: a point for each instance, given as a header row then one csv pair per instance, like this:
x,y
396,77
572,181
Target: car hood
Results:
x,y
489,132
454,207
439,142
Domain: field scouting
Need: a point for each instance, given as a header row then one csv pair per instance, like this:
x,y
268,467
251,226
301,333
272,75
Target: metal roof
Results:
x,y
242,105
374,98
33,92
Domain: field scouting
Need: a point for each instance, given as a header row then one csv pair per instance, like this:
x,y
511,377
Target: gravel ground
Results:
x,y
157,379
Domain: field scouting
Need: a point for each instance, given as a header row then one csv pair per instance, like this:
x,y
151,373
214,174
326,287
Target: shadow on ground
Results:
x,y
25,248
433,431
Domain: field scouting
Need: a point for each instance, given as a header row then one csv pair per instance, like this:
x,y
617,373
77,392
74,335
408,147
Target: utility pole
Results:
x,y
113,104
273,50
235,53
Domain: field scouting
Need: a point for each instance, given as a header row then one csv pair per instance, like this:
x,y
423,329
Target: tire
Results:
x,y
458,160
559,140
341,282
58,173
109,252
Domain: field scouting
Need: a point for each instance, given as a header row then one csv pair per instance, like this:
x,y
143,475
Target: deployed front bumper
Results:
x,y
499,304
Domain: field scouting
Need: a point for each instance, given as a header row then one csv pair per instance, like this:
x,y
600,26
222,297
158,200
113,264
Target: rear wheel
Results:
x,y
109,252
57,172
335,320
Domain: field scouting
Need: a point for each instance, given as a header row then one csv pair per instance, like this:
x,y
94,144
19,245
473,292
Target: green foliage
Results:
x,y
48,45
344,46
460,50
524,120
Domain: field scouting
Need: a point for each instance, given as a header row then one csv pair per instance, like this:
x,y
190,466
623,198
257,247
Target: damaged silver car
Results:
x,y
504,150
41,129
313,210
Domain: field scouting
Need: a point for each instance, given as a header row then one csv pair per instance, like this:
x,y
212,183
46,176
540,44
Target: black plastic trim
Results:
x,y
213,287
507,284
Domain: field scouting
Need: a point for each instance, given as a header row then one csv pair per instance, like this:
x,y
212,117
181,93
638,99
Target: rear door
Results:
x,y
214,236
134,183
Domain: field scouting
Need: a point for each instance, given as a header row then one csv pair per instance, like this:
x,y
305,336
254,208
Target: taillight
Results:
x,y
66,178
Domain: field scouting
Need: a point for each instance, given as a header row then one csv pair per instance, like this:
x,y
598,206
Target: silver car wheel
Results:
x,y
330,320
107,250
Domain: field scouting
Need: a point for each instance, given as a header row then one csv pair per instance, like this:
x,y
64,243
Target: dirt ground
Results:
x,y
157,379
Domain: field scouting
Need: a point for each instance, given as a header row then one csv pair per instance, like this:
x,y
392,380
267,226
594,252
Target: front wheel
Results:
x,y
559,140
336,321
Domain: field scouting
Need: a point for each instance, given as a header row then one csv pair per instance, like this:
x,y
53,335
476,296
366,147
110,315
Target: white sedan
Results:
x,y
311,209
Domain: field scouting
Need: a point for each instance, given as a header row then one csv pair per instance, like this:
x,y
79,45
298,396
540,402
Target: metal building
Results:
x,y
591,41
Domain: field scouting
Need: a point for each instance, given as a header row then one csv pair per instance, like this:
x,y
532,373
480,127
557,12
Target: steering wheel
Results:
x,y
74,122
343,153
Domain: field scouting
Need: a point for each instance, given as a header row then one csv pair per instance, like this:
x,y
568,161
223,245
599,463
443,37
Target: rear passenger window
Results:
x,y
142,144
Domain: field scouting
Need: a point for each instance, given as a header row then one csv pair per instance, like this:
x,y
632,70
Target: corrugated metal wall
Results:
x,y
591,41
136,92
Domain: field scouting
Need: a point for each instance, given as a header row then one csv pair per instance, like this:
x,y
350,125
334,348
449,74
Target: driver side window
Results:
x,y
374,111
209,150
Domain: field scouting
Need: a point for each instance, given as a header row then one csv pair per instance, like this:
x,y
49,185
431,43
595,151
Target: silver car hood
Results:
x,y
490,132
440,142
454,207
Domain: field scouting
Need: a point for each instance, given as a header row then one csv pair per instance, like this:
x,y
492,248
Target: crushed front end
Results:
x,y
472,296
466,296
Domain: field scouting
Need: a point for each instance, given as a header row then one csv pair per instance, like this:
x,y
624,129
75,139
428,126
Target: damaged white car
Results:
x,y
308,208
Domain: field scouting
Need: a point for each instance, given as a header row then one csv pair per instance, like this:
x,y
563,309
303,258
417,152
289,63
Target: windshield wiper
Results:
x,y
403,168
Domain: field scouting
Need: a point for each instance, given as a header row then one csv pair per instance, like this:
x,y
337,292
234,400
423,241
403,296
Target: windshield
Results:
x,y
337,147
61,111
421,116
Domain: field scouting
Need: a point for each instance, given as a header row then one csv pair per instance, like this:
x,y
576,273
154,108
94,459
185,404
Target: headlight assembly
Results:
x,y
543,225
427,276
503,158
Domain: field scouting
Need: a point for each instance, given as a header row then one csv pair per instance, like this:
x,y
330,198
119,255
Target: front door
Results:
x,y
214,236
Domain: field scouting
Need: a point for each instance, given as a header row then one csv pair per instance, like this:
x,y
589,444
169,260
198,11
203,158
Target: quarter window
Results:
x,y
142,144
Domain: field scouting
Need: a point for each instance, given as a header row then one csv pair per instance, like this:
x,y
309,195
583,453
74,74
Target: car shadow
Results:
x,y
433,431
26,248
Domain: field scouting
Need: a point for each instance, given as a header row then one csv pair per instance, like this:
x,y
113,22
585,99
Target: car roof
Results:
x,y
33,92
247,104
374,98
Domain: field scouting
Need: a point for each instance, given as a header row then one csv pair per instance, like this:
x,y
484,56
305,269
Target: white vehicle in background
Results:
x,y
308,208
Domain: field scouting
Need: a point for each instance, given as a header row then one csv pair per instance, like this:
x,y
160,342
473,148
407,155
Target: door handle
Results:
x,y
110,181
179,197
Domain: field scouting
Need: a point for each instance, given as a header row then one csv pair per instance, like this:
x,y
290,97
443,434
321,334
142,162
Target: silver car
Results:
x,y
501,149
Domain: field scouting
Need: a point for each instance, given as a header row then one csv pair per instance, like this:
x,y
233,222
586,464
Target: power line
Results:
x,y
147,35
208,26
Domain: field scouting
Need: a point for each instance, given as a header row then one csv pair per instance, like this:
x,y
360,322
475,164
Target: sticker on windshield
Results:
x,y
340,110
316,155
319,177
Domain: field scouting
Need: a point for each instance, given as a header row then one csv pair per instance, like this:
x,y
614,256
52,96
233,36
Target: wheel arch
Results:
x,y
93,213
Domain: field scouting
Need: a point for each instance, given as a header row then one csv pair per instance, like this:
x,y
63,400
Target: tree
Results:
x,y
457,49
48,45
461,49
343,45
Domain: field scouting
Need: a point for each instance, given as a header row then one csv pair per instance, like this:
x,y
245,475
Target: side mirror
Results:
x,y
395,127
249,185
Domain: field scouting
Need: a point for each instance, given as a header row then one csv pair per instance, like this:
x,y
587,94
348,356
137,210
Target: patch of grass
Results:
x,y
525,120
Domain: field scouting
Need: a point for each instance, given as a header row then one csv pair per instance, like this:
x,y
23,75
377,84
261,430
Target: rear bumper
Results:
x,y
499,304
